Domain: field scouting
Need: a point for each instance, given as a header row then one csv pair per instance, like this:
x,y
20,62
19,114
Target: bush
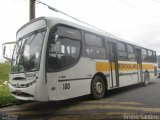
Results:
x,y
4,71
5,96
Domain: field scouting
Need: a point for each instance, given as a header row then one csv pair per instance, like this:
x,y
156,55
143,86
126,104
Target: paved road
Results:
x,y
133,102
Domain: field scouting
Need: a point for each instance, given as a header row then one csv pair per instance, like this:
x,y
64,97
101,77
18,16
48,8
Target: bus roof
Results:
x,y
80,25
62,19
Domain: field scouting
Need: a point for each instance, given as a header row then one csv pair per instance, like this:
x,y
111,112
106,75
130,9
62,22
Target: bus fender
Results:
x,y
104,78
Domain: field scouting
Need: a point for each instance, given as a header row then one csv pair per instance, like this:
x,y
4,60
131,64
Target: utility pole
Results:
x,y
32,9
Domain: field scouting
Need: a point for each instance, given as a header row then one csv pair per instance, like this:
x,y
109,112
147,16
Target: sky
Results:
x,y
133,20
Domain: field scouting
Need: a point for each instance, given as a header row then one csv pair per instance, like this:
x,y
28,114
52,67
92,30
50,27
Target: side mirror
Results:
x,y
8,49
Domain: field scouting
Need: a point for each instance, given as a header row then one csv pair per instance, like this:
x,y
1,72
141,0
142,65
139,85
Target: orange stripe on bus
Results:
x,y
126,67
147,66
105,66
102,66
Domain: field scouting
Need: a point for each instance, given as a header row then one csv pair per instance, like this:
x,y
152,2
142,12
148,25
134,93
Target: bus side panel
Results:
x,y
150,67
76,81
128,73
52,85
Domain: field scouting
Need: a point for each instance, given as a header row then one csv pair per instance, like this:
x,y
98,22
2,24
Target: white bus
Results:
x,y
158,67
57,59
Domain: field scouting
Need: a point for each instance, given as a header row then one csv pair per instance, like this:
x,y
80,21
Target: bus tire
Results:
x,y
146,79
98,87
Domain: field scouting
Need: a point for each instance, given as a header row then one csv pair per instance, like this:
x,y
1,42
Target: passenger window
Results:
x,y
130,48
144,52
144,55
95,52
154,53
121,47
93,40
68,32
149,53
122,53
65,51
94,47
131,53
154,57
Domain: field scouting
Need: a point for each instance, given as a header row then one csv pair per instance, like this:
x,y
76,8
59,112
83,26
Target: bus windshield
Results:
x,y
26,56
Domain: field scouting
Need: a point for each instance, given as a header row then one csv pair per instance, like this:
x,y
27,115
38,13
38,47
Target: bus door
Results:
x,y
113,62
139,64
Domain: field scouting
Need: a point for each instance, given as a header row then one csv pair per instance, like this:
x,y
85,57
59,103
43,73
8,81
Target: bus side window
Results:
x,y
122,53
154,57
65,51
144,55
150,56
131,52
94,47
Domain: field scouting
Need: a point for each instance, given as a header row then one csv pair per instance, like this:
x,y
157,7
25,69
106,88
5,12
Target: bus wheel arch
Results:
x,y
146,78
98,86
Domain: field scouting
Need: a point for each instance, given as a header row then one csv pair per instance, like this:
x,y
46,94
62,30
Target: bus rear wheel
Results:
x,y
98,87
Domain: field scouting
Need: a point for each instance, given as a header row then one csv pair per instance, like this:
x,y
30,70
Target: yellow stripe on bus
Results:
x,y
105,66
127,67
147,66
102,66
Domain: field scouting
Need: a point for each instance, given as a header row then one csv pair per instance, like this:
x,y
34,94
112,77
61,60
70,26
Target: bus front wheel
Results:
x,y
98,87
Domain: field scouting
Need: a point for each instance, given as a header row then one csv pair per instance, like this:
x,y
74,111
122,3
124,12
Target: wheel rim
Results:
x,y
98,87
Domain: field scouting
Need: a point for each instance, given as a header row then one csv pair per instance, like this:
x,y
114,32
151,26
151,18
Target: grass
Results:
x,y
5,96
4,71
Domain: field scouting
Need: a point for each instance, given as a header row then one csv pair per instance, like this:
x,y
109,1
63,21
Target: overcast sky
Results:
x,y
134,20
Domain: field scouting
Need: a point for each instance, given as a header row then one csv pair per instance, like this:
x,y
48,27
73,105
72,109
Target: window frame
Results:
x,y
149,58
145,50
155,56
122,58
102,48
52,30
131,53
150,51
86,32
144,56
132,46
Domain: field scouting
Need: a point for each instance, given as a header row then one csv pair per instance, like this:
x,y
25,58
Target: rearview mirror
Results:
x,y
8,49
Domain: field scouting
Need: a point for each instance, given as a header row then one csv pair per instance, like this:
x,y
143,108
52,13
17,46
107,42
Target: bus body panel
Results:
x,y
151,68
128,73
52,85
71,84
